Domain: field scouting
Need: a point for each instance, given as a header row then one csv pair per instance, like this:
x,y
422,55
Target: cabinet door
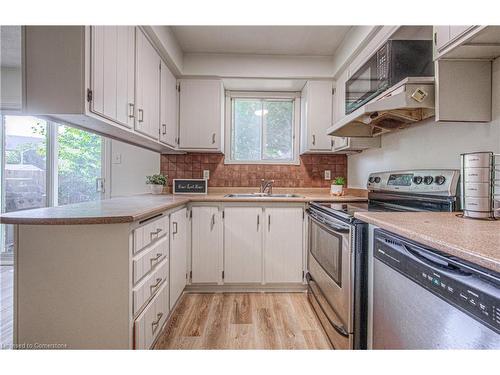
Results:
x,y
318,114
441,36
168,106
243,244
200,114
206,256
148,88
283,245
178,254
112,72
340,143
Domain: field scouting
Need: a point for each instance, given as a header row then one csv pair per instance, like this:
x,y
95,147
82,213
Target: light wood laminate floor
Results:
x,y
6,306
243,321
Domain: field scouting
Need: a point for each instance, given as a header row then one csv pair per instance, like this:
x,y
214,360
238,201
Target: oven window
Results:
x,y
326,248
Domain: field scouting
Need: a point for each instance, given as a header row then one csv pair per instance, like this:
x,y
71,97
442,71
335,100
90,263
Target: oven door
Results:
x,y
330,277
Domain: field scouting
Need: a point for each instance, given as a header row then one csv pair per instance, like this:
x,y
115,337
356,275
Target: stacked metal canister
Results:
x,y
478,185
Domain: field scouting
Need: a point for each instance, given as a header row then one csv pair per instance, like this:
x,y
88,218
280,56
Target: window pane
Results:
x,y
278,130
246,135
24,178
79,165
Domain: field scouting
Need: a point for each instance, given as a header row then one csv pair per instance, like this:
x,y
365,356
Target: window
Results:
x,y
262,129
42,164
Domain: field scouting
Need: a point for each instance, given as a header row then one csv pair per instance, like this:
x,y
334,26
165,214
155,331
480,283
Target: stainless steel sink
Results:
x,y
263,195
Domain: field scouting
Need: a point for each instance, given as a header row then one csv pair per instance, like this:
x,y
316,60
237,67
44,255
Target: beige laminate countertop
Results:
x,y
129,209
476,241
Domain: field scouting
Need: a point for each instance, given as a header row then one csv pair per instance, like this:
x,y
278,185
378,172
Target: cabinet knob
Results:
x,y
131,110
213,138
141,115
164,126
314,139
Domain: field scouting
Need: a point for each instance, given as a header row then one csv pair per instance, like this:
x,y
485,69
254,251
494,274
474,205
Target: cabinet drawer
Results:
x,y
150,232
150,285
148,325
149,259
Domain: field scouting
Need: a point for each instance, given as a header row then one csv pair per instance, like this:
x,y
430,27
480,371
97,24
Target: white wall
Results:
x,y
128,177
429,145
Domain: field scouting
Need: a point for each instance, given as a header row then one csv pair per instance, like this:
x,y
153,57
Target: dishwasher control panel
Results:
x,y
471,292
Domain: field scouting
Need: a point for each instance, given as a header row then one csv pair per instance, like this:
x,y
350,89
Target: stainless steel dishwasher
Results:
x,y
423,299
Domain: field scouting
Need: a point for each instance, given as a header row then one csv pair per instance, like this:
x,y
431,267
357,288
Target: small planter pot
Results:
x,y
336,189
156,189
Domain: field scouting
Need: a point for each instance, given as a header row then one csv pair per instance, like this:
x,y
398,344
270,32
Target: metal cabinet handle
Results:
x,y
131,110
155,285
435,38
269,223
155,259
213,138
212,223
174,229
314,139
164,126
155,233
141,115
258,222
154,325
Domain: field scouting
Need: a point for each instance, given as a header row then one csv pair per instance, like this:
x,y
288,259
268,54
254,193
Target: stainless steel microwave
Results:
x,y
393,62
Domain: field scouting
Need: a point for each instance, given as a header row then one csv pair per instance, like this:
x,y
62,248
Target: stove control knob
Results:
x,y
417,180
428,180
376,179
439,180
371,179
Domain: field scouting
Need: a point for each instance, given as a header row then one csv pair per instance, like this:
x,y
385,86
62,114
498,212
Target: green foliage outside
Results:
x,y
79,163
262,129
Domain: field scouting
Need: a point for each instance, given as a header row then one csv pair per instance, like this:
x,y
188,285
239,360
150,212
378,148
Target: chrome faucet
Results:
x,y
266,186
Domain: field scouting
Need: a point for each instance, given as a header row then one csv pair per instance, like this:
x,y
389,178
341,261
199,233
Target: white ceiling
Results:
x,y
264,40
10,46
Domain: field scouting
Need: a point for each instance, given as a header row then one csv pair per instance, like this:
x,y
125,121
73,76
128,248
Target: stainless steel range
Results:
x,y
337,257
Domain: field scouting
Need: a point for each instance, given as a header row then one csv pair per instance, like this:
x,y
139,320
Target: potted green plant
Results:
x,y
337,185
157,182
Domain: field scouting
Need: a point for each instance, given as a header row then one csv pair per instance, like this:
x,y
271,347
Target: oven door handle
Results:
x,y
324,305
327,224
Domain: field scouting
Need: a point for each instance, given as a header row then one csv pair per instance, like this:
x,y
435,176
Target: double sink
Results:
x,y
263,195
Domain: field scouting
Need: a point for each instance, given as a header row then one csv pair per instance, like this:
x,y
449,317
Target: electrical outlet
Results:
x,y
328,175
117,158
206,174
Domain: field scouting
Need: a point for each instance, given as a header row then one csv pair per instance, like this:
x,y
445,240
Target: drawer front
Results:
x,y
477,174
148,325
143,292
479,160
149,233
149,259
477,189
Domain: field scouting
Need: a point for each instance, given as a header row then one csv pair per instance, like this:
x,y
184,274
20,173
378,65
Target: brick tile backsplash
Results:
x,y
310,172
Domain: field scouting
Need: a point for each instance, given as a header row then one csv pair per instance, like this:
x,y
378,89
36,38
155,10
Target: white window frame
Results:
x,y
228,123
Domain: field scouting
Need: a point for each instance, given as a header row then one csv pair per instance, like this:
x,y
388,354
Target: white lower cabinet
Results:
x,y
263,244
206,245
149,323
178,254
283,244
243,244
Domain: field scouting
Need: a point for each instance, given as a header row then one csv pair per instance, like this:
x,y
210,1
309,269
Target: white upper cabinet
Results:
x,y
243,228
201,114
168,107
283,244
148,88
112,72
316,116
206,245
